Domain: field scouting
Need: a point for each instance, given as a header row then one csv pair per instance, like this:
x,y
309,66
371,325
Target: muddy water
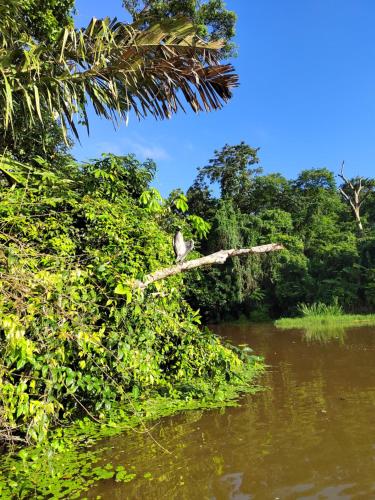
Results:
x,y
310,435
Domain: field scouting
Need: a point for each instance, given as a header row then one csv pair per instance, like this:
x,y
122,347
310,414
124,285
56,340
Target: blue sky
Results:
x,y
306,95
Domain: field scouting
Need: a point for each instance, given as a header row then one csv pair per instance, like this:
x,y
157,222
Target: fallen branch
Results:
x,y
214,258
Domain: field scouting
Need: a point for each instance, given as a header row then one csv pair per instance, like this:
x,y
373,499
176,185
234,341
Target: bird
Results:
x,y
180,246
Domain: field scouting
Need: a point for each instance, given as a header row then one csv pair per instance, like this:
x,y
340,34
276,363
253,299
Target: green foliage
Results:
x,y
230,168
42,20
45,18
69,464
199,226
180,202
222,289
39,140
324,257
111,176
75,336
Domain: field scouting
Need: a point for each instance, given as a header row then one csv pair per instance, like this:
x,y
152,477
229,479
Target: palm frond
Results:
x,y
117,67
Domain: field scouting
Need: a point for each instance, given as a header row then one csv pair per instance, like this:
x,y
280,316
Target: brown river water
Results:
x,y
310,435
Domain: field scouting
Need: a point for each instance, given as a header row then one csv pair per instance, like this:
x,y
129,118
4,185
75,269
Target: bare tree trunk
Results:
x,y
358,219
214,258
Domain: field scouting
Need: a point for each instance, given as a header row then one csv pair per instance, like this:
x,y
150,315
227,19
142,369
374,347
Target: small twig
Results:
x,y
86,410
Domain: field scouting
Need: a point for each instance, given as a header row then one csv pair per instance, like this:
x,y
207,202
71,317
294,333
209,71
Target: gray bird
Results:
x,y
180,246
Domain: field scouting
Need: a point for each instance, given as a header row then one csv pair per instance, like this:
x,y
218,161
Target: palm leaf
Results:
x,y
118,67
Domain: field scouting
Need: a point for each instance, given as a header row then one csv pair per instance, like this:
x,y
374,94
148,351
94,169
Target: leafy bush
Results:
x,y
74,335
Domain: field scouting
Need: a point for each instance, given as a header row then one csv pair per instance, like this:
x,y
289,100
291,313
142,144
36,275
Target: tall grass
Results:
x,y
320,309
318,318
327,321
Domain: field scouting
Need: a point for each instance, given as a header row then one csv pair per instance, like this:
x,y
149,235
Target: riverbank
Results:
x,y
328,321
73,460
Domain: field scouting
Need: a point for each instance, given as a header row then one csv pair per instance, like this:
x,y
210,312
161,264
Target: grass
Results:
x,y
323,316
329,321
319,309
324,323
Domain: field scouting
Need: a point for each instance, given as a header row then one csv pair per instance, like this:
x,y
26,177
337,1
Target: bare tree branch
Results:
x,y
344,195
214,258
342,176
354,198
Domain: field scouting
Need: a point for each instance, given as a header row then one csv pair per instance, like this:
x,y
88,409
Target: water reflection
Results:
x,y
324,335
310,435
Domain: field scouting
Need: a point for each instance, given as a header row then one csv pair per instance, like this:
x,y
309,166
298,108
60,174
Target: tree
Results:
x,y
324,259
40,139
210,17
222,292
355,192
69,322
112,175
267,192
201,201
315,179
230,168
117,67
313,196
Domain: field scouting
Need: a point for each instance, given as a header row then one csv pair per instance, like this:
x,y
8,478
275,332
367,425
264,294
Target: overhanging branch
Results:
x,y
214,258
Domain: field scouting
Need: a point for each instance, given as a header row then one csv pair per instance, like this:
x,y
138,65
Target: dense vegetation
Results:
x,y
328,258
76,337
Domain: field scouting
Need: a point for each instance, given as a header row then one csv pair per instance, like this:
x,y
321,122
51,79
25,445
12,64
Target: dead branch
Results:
x,y
209,260
355,198
345,179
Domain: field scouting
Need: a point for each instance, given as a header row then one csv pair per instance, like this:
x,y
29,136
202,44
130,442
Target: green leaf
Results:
x,y
122,289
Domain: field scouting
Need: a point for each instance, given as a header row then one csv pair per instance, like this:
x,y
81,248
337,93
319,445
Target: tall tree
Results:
x,y
324,258
231,170
314,195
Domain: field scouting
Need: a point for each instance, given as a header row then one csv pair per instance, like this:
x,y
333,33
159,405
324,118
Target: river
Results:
x,y
309,435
